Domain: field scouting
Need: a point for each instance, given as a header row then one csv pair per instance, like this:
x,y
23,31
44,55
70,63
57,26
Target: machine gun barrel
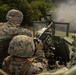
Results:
x,y
36,38
46,30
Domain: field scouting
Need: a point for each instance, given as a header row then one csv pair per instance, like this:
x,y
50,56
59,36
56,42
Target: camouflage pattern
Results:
x,y
40,55
24,31
21,46
7,29
35,67
14,16
12,26
73,59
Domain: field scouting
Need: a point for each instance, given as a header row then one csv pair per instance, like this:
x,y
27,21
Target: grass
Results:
x,y
61,33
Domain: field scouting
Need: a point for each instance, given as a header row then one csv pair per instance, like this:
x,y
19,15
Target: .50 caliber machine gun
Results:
x,y
56,42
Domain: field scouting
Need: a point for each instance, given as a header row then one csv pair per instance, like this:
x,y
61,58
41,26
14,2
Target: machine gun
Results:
x,y
56,42
44,31
64,70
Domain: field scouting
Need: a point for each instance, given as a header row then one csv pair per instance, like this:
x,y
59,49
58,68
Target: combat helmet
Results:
x,y
21,46
14,16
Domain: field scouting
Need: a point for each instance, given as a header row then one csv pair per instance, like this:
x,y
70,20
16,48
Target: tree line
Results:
x,y
32,10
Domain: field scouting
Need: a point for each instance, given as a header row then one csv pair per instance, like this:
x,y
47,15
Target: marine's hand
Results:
x,y
39,45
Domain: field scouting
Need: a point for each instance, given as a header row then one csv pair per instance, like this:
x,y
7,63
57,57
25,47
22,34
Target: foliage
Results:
x,y
3,10
32,9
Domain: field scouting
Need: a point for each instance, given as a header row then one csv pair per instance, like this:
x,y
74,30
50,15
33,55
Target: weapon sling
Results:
x,y
26,66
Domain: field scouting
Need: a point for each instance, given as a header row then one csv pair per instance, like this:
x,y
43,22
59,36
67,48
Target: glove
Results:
x,y
39,45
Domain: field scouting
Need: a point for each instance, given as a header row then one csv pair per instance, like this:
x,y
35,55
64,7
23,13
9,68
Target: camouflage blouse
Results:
x,y
35,67
73,59
8,29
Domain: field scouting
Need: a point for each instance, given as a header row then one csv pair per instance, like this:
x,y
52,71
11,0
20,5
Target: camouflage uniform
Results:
x,y
73,59
12,26
23,46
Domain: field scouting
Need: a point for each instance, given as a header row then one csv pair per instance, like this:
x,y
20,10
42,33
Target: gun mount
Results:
x,y
55,40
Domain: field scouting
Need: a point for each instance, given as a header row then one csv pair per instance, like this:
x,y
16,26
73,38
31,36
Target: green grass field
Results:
x,y
61,33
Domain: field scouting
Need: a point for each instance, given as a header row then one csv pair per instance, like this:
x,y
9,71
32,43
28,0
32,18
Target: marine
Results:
x,y
22,60
12,26
10,29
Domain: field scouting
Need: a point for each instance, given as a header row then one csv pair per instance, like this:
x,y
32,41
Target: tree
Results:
x,y
32,10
